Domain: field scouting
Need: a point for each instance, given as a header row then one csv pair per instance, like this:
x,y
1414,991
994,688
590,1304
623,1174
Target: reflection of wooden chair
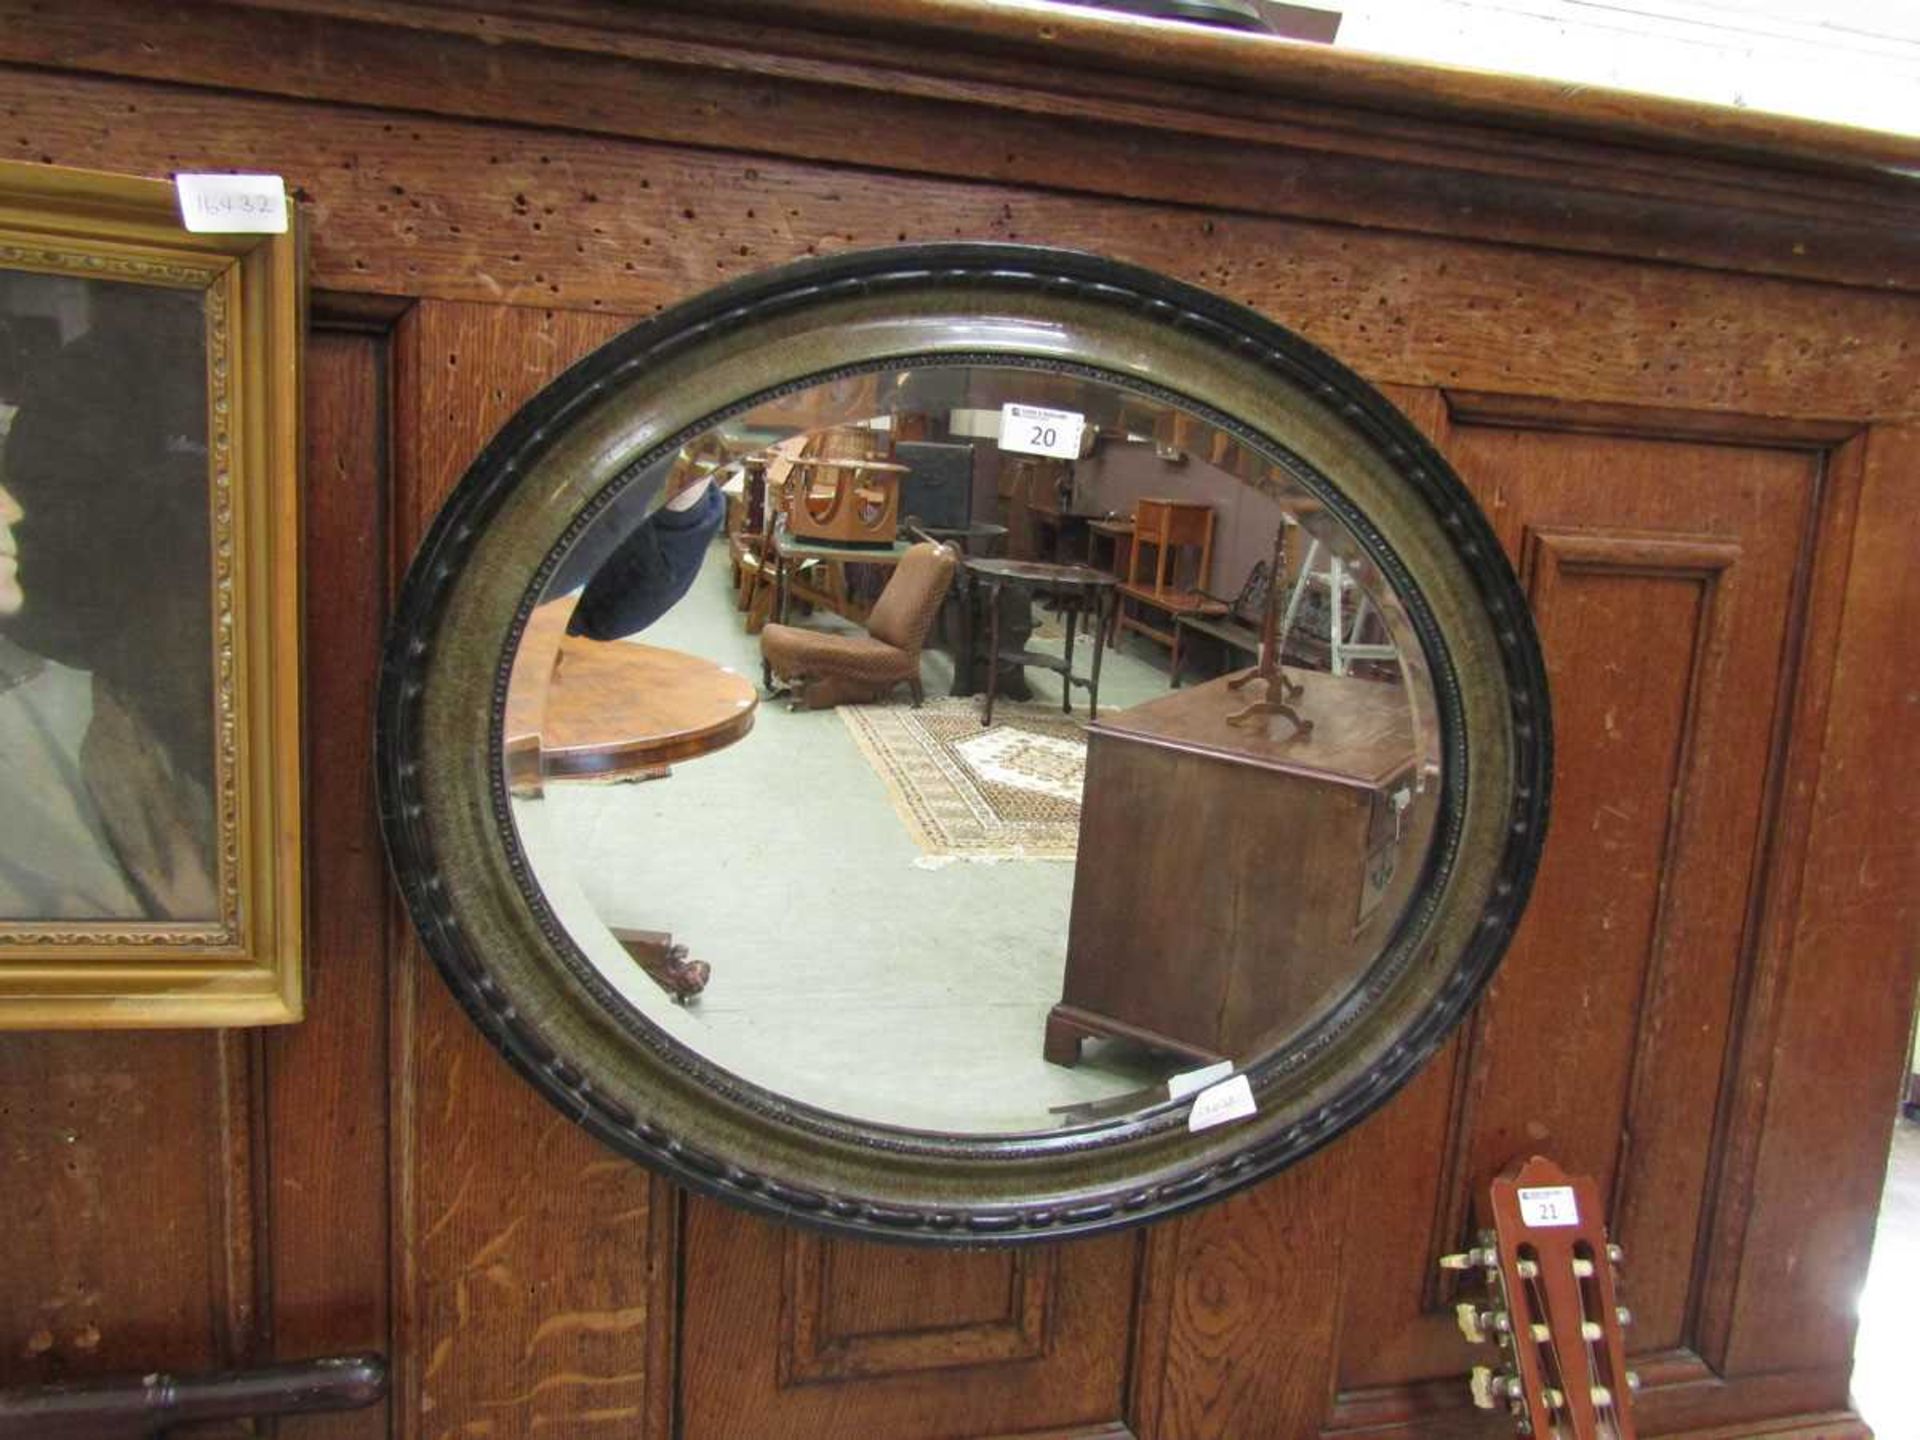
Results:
x,y
1237,629
1168,529
835,668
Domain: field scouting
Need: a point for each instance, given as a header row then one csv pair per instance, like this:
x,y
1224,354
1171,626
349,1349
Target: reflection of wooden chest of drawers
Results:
x,y
1232,883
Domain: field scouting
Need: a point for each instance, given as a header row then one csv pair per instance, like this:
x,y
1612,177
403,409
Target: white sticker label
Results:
x,y
1548,1206
1033,431
232,204
1229,1100
1188,1082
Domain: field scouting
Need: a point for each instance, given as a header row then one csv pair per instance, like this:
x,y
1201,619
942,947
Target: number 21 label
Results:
x,y
1546,1206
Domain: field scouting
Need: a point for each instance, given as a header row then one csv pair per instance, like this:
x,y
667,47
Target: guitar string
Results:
x,y
1537,1305
1593,1293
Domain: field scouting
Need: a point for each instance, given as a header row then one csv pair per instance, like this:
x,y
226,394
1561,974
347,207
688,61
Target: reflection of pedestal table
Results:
x,y
580,709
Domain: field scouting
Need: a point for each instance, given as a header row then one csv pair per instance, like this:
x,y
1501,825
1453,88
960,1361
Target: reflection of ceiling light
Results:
x,y
1171,454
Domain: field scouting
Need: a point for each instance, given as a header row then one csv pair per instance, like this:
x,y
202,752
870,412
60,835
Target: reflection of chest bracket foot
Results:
x,y
666,963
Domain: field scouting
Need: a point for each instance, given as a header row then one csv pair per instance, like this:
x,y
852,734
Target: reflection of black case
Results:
x,y
937,490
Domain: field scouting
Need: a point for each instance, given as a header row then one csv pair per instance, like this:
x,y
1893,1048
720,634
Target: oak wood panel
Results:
x,y
1665,614
1007,118
422,206
1240,1307
845,1314
1843,1019
744,1371
535,1269
326,1091
127,1186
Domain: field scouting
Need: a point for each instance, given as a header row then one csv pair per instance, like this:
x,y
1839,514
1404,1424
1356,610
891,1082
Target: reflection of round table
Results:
x,y
607,708
1074,590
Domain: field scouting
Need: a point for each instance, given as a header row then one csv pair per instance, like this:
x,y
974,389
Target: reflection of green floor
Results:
x,y
844,973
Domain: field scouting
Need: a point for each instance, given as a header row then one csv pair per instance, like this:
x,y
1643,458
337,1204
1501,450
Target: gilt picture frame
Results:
x,y
150,728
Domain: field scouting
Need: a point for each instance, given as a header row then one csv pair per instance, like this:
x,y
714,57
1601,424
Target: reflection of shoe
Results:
x,y
665,963
689,976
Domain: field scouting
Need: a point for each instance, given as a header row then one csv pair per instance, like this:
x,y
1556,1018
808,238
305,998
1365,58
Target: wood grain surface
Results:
x,y
1671,351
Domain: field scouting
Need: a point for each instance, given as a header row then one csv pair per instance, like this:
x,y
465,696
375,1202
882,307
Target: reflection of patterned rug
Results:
x,y
1011,792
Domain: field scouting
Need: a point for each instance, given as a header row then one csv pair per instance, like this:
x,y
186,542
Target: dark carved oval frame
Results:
x,y
525,984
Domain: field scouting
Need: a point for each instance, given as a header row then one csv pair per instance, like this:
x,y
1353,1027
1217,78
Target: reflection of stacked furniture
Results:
x,y
1273,874
1114,534
1036,499
834,668
1170,559
937,486
845,490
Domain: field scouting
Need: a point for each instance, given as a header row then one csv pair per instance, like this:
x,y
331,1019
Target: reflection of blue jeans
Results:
x,y
649,571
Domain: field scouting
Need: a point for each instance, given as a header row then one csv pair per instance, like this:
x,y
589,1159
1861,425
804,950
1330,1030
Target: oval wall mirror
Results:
x,y
964,743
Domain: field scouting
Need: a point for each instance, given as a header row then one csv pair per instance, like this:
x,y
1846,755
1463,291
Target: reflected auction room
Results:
x,y
958,720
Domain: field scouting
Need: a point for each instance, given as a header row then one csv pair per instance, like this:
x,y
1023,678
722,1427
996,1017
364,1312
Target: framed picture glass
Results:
x,y
149,657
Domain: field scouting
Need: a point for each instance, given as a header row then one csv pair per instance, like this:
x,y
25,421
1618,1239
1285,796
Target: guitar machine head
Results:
x,y
1554,1310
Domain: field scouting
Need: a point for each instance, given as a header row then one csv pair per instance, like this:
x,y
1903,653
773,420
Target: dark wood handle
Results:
x,y
140,1405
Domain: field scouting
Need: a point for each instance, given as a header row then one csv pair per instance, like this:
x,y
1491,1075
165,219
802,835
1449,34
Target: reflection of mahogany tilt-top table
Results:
x,y
616,709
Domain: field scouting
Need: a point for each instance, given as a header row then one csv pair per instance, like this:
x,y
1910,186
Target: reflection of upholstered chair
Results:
x,y
835,668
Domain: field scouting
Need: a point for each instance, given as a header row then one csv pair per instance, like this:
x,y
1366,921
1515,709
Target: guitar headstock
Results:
x,y
1555,1311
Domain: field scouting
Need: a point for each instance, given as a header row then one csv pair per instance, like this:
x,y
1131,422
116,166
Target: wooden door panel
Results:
x,y
791,1334
845,1314
1663,573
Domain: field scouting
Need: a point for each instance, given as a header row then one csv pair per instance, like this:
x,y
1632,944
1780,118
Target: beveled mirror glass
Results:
x,y
963,743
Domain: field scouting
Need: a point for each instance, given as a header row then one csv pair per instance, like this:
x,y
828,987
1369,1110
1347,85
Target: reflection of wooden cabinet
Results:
x,y
1232,882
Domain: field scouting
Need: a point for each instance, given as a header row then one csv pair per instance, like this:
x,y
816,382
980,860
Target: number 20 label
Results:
x,y
1031,430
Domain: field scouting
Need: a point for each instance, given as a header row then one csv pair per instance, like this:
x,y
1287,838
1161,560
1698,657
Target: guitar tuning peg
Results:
x,y
1583,1269
1491,1390
1616,1254
1623,1316
1633,1381
1475,1259
1467,1316
1480,1326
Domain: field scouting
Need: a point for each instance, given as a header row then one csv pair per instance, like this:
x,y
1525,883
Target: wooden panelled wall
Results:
x,y
1683,386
